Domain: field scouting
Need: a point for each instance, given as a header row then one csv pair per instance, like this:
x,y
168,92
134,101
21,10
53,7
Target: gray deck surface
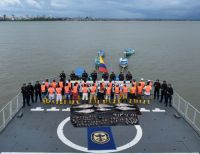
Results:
x,y
37,132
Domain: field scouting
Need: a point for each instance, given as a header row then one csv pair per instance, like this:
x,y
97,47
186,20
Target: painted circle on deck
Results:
x,y
66,141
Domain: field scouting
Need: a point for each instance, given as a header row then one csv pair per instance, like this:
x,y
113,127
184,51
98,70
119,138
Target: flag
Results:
x,y
102,66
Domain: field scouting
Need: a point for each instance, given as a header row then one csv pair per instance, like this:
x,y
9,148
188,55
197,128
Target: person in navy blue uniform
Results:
x,y
169,94
163,91
156,89
25,95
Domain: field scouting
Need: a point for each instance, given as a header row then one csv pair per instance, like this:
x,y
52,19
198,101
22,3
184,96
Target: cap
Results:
x,y
142,79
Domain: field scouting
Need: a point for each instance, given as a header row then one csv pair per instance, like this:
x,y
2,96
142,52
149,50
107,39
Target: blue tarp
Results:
x,y
79,71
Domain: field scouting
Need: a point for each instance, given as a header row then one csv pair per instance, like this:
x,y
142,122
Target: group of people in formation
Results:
x,y
75,92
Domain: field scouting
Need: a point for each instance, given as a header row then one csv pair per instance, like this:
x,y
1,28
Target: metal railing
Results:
x,y
188,111
12,107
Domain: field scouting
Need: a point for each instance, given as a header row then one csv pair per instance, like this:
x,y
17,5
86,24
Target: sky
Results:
x,y
148,9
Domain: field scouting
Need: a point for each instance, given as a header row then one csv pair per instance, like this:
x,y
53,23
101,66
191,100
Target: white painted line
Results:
x,y
69,143
53,109
37,109
158,110
67,109
144,110
87,153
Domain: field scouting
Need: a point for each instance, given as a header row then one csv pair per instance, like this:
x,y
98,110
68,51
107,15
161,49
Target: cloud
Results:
x,y
34,3
4,3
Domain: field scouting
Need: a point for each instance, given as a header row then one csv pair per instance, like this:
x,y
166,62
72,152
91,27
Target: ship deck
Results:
x,y
40,127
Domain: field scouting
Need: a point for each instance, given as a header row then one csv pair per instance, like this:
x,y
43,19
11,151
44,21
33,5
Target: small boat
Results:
x,y
122,105
123,62
124,108
97,61
101,53
129,51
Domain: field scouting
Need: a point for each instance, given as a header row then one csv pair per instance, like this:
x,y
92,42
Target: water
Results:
x,y
166,50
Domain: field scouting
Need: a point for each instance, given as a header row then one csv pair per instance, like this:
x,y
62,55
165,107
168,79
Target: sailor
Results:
x,y
58,94
139,92
84,76
147,92
117,94
156,89
62,76
75,93
67,93
44,92
125,93
93,89
121,76
85,93
51,91
24,92
37,88
132,90
129,76
73,76
169,94
163,90
108,93
94,76
30,89
112,76
105,76
100,94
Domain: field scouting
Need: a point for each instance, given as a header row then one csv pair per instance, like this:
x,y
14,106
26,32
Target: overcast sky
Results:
x,y
174,9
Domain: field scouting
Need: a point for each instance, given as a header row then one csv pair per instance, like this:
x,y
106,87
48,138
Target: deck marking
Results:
x,y
144,110
67,109
53,109
66,141
158,110
37,109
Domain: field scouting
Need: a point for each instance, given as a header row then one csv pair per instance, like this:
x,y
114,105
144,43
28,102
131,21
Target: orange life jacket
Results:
x,y
85,90
53,84
51,90
133,90
75,89
58,90
117,90
93,90
140,90
108,90
142,84
61,84
43,88
47,84
125,89
148,89
67,88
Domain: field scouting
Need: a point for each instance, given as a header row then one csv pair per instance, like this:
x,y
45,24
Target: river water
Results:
x,y
167,50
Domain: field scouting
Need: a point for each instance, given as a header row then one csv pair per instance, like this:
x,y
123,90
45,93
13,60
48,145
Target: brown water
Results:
x,y
166,50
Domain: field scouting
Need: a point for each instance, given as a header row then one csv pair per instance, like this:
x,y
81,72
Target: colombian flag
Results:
x,y
102,66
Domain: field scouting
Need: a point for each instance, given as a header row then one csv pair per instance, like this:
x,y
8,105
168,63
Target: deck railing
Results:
x,y
13,106
187,111
183,107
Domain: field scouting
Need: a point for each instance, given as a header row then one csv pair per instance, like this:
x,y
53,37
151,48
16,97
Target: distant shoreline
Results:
x,y
92,19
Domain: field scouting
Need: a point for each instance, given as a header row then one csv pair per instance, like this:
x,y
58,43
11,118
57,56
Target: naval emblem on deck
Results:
x,y
100,137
